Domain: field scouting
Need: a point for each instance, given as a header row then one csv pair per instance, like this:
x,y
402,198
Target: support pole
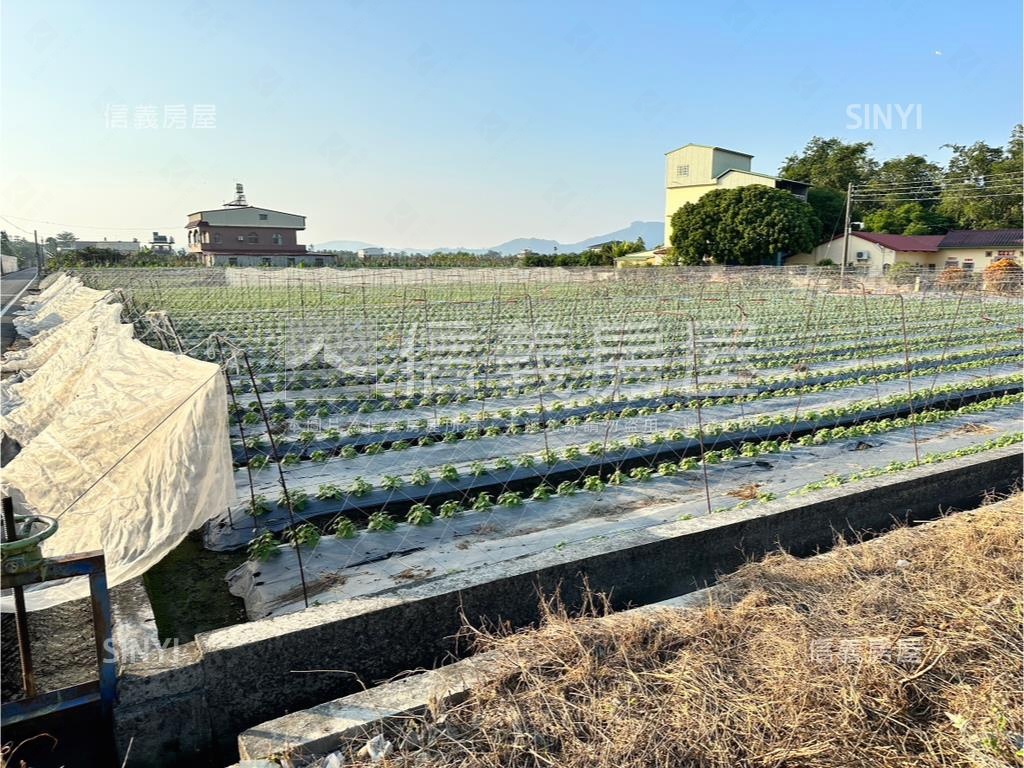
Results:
x,y
20,613
846,234
280,475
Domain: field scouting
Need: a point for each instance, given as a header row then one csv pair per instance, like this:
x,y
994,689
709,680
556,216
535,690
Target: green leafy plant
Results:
x,y
542,492
359,487
510,499
262,547
258,506
419,514
380,521
391,482
449,509
343,528
420,477
304,535
298,497
329,492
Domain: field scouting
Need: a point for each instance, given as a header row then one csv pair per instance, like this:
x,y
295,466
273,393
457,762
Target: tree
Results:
x,y
65,240
831,163
830,208
977,193
911,178
746,225
907,219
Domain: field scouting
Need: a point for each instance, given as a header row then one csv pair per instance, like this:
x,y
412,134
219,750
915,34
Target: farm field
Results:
x,y
389,425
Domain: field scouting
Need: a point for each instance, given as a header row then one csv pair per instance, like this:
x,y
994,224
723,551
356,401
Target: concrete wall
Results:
x,y
190,709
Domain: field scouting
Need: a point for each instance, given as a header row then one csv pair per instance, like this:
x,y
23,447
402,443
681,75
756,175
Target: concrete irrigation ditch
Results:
x,y
232,679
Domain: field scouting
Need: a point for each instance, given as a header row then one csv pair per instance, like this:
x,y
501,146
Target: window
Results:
x,y
951,263
988,254
291,261
216,237
931,267
253,237
241,238
263,217
266,261
277,239
968,265
682,170
1004,254
232,261
318,261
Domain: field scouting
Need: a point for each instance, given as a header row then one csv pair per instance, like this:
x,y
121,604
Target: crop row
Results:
x,y
265,545
397,435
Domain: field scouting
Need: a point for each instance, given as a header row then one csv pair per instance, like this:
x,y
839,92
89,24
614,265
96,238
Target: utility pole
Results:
x,y
39,261
846,234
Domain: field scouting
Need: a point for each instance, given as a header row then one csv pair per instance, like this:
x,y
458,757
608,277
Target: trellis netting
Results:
x,y
425,422
127,447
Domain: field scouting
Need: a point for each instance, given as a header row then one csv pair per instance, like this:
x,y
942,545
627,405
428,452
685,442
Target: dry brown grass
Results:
x,y
748,681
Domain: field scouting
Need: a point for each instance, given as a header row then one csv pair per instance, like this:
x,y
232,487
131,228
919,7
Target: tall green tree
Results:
x,y
829,206
65,240
978,192
831,163
900,180
907,219
747,225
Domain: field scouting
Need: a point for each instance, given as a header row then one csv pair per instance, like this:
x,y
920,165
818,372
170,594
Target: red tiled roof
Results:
x,y
902,242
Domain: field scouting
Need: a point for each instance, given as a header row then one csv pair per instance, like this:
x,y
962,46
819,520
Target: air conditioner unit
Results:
x,y
863,256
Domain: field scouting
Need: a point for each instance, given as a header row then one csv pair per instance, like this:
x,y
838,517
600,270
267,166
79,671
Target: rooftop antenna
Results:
x,y
239,201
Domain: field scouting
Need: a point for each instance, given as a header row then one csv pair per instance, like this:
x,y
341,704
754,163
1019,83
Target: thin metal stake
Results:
x,y
700,420
241,431
280,475
21,615
910,388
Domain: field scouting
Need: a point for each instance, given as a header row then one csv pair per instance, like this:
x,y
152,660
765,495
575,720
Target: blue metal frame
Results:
x,y
103,690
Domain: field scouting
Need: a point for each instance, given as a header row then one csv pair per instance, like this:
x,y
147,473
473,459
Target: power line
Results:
x,y
88,226
1000,178
921,199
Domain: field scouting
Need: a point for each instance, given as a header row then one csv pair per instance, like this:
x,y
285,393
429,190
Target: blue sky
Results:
x,y
461,123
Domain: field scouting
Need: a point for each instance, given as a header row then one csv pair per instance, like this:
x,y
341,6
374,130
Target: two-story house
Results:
x,y
243,235
695,169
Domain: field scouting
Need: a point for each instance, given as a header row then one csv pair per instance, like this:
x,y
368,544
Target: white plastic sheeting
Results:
x,y
127,446
28,406
62,301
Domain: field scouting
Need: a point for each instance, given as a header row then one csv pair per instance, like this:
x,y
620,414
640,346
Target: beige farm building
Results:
x,y
971,250
696,169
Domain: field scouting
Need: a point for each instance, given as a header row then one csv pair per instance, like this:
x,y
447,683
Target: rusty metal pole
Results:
x,y
280,475
21,615
700,418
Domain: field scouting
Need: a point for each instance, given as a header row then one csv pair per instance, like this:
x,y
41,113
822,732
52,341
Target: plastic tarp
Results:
x,y
133,456
62,301
28,406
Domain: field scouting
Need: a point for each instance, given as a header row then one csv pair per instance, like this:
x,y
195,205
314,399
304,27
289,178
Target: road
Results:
x,y
10,286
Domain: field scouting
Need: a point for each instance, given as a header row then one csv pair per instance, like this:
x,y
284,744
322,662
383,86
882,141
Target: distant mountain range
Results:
x,y
651,231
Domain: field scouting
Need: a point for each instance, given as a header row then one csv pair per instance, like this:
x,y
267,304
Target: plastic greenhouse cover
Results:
x,y
29,406
135,458
69,300
47,343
